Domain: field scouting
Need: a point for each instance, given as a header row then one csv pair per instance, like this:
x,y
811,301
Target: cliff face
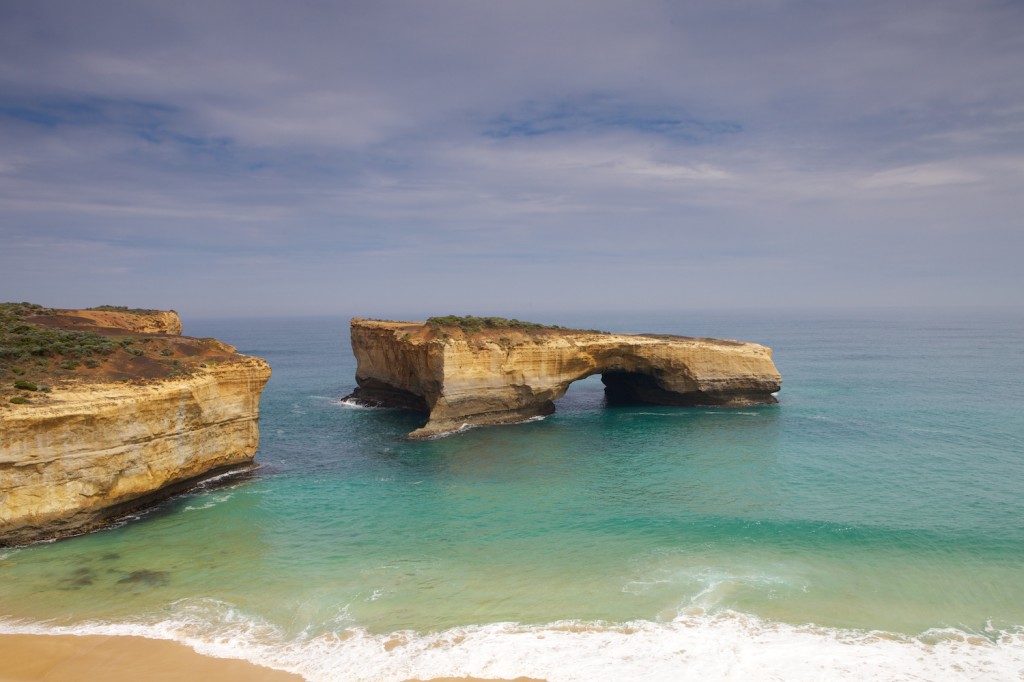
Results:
x,y
96,446
500,376
97,451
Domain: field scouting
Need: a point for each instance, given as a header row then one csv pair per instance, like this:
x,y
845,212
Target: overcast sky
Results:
x,y
509,157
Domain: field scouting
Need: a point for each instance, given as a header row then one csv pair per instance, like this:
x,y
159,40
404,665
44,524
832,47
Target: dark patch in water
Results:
x,y
110,556
77,579
149,578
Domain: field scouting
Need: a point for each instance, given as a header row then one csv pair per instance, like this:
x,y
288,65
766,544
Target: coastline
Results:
x,y
777,564
129,658
505,652
120,658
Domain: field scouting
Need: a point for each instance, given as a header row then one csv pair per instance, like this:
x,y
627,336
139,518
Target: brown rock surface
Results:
x,y
142,322
499,376
95,447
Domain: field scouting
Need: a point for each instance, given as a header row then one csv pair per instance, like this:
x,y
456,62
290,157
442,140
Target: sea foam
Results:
x,y
351,404
695,646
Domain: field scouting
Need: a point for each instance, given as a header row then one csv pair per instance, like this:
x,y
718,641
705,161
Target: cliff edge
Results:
x,y
475,371
105,411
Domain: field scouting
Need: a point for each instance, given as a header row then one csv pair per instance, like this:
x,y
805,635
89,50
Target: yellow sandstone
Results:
x,y
497,376
92,451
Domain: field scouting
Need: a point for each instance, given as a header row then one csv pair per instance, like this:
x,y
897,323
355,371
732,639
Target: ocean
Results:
x,y
869,526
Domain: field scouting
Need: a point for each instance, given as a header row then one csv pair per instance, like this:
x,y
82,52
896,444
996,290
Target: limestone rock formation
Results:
x,y
99,445
501,375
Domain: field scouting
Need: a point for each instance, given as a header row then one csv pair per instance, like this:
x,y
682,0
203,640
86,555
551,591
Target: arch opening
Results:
x,y
585,394
624,388
638,388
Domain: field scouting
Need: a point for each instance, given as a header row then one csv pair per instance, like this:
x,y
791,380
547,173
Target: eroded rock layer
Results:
x,y
91,450
506,375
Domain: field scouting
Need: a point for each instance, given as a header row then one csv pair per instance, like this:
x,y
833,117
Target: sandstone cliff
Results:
x,y
503,375
134,428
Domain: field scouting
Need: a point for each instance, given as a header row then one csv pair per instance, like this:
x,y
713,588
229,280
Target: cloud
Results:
x,y
736,142
601,114
923,175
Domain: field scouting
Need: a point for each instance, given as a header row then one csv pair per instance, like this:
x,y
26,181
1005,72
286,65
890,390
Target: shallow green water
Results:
x,y
884,492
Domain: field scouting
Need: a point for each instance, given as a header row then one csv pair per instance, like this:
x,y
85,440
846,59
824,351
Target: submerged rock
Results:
x,y
148,578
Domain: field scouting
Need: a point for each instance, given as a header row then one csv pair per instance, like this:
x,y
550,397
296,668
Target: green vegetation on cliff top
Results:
x,y
36,351
126,309
471,324
21,340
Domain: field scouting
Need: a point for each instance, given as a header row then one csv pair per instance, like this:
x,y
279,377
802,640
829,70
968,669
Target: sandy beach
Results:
x,y
70,658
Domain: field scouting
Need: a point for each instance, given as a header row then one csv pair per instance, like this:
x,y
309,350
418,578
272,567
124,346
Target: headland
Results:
x,y
107,410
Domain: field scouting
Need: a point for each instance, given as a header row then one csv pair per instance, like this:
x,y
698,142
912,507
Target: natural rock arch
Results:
x,y
497,376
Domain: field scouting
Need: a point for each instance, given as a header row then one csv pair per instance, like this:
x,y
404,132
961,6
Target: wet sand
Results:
x,y
69,658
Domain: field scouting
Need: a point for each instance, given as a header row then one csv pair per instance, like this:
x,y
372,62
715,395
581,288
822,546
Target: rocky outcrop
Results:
x,y
139,322
89,451
495,376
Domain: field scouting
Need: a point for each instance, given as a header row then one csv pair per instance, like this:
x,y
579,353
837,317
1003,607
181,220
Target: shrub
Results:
x,y
167,352
471,324
25,385
19,311
20,400
20,340
125,309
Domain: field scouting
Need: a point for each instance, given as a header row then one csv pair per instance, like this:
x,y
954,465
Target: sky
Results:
x,y
238,158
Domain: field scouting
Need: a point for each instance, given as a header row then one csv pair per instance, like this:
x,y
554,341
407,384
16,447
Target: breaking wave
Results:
x,y
693,646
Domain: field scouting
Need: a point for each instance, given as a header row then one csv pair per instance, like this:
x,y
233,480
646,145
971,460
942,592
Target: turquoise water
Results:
x,y
870,522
